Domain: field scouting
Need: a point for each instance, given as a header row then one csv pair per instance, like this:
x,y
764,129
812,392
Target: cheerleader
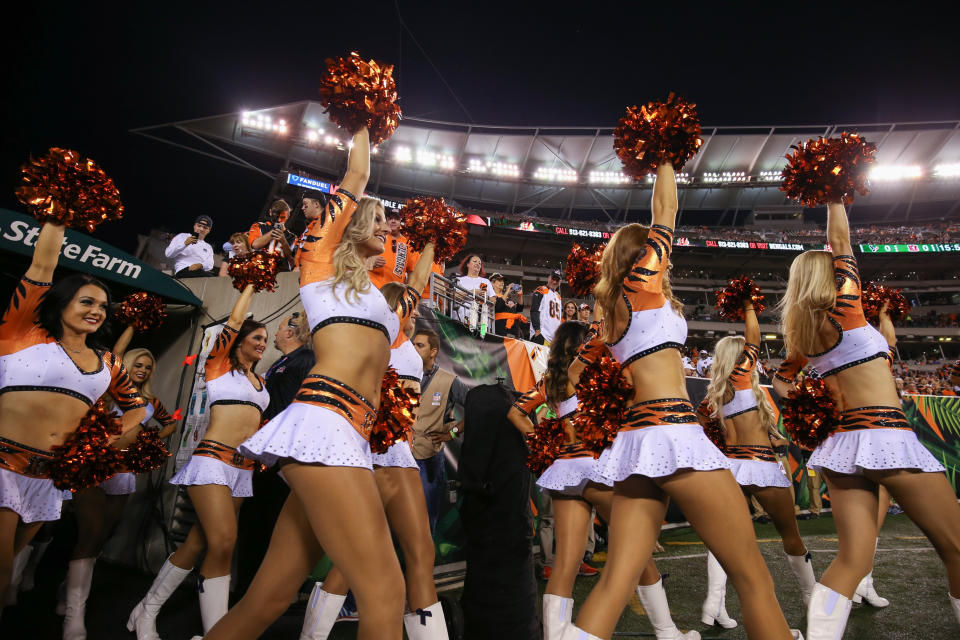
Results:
x,y
734,398
321,439
660,452
576,488
98,509
398,481
52,370
216,476
824,326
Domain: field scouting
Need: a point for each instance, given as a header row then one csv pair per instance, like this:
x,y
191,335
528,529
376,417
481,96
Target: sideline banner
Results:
x,y
198,412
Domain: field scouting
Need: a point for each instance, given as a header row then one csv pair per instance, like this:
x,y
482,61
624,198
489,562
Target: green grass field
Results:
x,y
907,572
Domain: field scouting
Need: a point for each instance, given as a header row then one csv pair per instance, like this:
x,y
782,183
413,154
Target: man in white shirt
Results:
x,y
192,256
545,310
703,365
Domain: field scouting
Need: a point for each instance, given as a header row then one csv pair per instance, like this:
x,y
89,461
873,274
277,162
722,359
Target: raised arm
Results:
x,y
838,230
120,346
240,308
420,275
751,331
358,164
46,253
664,205
886,326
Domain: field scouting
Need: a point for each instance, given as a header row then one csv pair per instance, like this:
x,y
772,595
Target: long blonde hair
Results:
x,y
348,266
618,258
129,358
726,354
811,292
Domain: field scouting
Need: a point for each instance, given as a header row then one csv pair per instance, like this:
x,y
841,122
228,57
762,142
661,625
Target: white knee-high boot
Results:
x,y
654,601
715,605
79,578
143,618
956,606
322,611
557,613
865,590
214,599
827,615
802,567
19,565
426,624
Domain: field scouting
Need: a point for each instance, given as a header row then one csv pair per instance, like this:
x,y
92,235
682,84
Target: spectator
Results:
x,y
690,365
192,256
508,308
473,278
703,364
271,234
396,260
570,313
545,310
239,246
435,425
585,313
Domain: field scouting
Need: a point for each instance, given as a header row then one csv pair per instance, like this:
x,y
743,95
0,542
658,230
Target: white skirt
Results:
x,y
757,473
121,484
33,499
309,434
569,476
850,452
658,451
201,470
398,455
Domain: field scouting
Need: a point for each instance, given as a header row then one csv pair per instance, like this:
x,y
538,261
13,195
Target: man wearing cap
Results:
x,y
395,262
703,364
584,313
545,310
192,256
272,235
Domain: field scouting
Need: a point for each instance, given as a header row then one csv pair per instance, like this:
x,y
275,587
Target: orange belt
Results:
x,y
24,460
658,412
510,318
872,418
331,394
223,453
749,452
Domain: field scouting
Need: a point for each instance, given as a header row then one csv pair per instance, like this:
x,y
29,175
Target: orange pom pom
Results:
x,y
545,444
433,220
828,170
86,459
583,268
656,133
142,311
730,299
359,94
147,453
810,412
873,297
258,268
396,414
64,188
602,394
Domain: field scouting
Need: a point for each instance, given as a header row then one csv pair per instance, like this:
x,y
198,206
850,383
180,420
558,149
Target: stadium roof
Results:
x,y
572,172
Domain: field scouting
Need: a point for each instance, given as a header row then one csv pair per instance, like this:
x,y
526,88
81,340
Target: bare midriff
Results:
x,y
231,424
40,419
658,375
353,354
745,430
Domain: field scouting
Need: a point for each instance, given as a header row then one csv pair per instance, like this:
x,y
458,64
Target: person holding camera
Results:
x,y
271,234
192,255
508,308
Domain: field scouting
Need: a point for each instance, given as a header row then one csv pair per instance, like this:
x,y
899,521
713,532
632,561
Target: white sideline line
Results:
x,y
690,556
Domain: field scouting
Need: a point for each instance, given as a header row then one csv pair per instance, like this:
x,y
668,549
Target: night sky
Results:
x,y
81,78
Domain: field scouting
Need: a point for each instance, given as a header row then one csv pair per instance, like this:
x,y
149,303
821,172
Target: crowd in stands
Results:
x,y
934,383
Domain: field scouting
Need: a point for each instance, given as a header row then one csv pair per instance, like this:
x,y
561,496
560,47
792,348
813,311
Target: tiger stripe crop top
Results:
x,y
857,340
154,409
226,385
527,403
407,362
31,359
741,379
652,323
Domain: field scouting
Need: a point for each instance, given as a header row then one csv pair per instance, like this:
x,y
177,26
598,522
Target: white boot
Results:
x,y
19,564
143,618
557,613
827,615
28,580
214,600
866,592
715,606
802,568
426,624
322,611
573,633
79,577
654,601
796,634
956,606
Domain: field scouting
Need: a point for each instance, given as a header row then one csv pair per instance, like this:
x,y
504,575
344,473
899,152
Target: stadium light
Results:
x,y
892,172
951,170
494,167
261,122
313,135
555,174
771,176
725,176
427,158
403,154
608,177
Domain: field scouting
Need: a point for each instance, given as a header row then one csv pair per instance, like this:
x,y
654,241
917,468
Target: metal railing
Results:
x,y
469,308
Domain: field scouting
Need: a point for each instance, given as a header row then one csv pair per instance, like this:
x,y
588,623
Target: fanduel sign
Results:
x,y
80,252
